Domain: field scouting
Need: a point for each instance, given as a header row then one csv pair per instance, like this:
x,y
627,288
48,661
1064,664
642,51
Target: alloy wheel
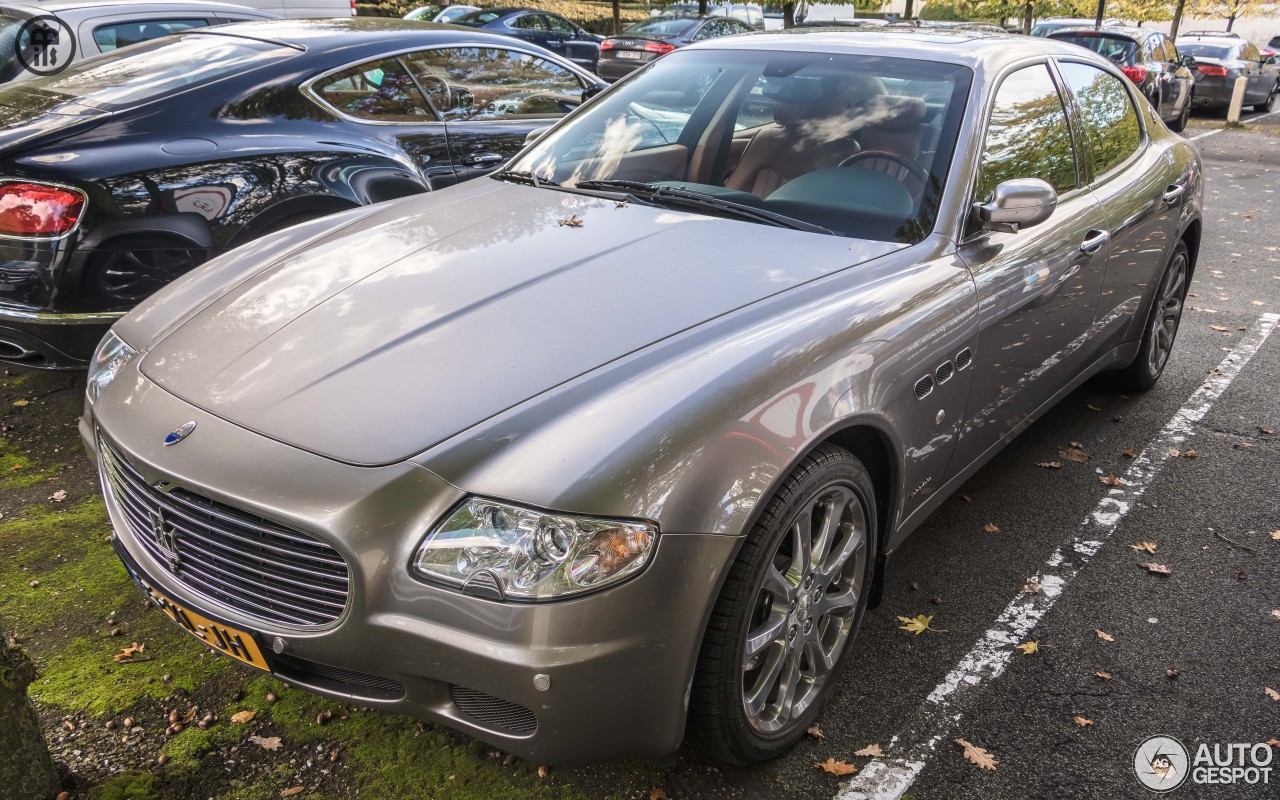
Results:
x,y
128,275
1168,313
804,609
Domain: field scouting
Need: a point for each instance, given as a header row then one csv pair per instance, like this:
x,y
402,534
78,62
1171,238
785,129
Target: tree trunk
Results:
x,y
906,14
26,769
1177,18
617,17
1027,15
788,15
702,8
1231,20
1102,7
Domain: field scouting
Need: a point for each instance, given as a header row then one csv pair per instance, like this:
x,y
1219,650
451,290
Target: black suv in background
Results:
x,y
1150,59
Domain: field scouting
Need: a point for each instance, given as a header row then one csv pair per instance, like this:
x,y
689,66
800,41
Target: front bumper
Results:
x,y
618,663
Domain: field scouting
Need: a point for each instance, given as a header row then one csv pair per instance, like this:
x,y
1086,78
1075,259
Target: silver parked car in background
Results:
x,y
1220,61
619,439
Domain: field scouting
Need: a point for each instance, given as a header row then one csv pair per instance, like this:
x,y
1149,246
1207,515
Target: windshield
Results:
x,y
661,27
1204,50
129,76
1116,48
859,145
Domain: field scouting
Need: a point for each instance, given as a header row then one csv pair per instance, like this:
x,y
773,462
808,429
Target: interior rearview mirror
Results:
x,y
1016,204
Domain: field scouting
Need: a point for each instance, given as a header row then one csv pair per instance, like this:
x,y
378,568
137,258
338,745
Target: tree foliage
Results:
x,y
1229,10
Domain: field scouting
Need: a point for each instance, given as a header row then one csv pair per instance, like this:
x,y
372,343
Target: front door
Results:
x,y
1037,287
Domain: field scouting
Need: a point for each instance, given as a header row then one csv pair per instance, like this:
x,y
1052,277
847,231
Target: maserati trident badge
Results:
x,y
179,433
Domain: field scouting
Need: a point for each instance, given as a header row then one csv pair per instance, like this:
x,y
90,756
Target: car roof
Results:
x,y
958,46
349,32
1114,31
62,6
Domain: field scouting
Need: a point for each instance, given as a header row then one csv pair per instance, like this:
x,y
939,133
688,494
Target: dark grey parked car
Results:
x,y
1220,62
644,41
621,438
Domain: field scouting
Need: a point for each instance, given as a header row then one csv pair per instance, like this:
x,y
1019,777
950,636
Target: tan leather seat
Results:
x,y
895,123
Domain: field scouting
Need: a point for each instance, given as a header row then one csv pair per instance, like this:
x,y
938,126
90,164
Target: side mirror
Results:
x,y
1188,61
593,90
535,134
1269,60
1016,204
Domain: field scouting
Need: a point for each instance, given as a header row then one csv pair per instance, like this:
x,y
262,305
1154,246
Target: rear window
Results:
x,y
153,69
1117,48
662,27
112,37
1205,51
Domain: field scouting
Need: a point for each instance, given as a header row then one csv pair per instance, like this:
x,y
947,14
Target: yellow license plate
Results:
x,y
221,638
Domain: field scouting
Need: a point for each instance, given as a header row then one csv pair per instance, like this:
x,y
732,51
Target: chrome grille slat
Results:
x,y
231,557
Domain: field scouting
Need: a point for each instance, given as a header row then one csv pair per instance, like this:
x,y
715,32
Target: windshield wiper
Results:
x,y
525,178
688,198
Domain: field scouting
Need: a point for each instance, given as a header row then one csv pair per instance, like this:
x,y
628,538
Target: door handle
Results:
x,y
1094,240
482,158
1172,192
554,42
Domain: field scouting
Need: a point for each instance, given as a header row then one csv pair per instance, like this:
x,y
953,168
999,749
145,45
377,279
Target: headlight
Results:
x,y
499,550
110,357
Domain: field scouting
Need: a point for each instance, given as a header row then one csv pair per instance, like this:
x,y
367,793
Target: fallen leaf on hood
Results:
x,y
271,743
815,731
243,717
917,624
1272,693
991,527
1029,648
835,767
871,750
1050,464
977,756
129,652
1106,676
1158,569
1145,547
1081,721
1110,480
574,222
1074,454
1104,636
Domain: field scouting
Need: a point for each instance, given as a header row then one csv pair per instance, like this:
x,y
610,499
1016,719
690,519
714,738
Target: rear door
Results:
x,y
1260,80
490,98
1037,287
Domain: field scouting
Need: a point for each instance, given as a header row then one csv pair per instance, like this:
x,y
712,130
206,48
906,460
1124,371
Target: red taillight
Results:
x,y
33,209
1212,70
659,47
607,44
1135,74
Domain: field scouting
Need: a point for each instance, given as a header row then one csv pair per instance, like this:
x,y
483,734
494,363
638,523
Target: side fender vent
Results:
x,y
964,358
924,387
944,372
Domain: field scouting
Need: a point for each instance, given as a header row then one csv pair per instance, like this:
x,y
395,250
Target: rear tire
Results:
x,y
1180,124
1162,324
1271,100
783,625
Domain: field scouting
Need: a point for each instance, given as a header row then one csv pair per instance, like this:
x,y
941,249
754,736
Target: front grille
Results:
x,y
333,678
242,561
493,711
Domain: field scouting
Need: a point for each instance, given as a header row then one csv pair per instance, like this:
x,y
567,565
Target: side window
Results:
x,y
1171,51
1251,53
494,83
123,34
380,91
1107,115
530,22
1028,136
560,25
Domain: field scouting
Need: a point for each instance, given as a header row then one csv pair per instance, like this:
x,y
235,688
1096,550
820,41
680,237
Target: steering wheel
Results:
x,y
908,164
433,85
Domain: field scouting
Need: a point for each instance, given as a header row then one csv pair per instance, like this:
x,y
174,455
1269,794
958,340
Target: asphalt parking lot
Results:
x,y
1188,654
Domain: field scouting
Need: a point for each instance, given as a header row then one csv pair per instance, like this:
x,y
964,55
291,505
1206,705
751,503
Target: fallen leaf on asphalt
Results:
x,y
1219,328
1104,636
1110,480
1276,613
1176,453
574,222
1274,743
1030,586
966,498
1172,674
1050,464
1243,328
977,756
991,527
1081,721
271,743
816,732
1130,453
1266,431
129,652
1092,407
21,403
290,792
1078,444
657,793
835,767
1159,569
1074,454
917,624
871,750
543,770
1029,648
1145,547
1275,535
1106,676
1272,693
58,496
243,717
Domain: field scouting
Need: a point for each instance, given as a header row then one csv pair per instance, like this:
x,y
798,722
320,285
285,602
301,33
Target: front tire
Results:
x,y
1180,124
787,613
1270,102
1162,324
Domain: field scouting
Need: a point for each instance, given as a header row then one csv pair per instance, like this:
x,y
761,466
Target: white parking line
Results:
x,y
1248,121
891,775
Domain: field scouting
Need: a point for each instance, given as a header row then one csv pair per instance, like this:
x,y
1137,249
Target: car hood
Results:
x,y
444,309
